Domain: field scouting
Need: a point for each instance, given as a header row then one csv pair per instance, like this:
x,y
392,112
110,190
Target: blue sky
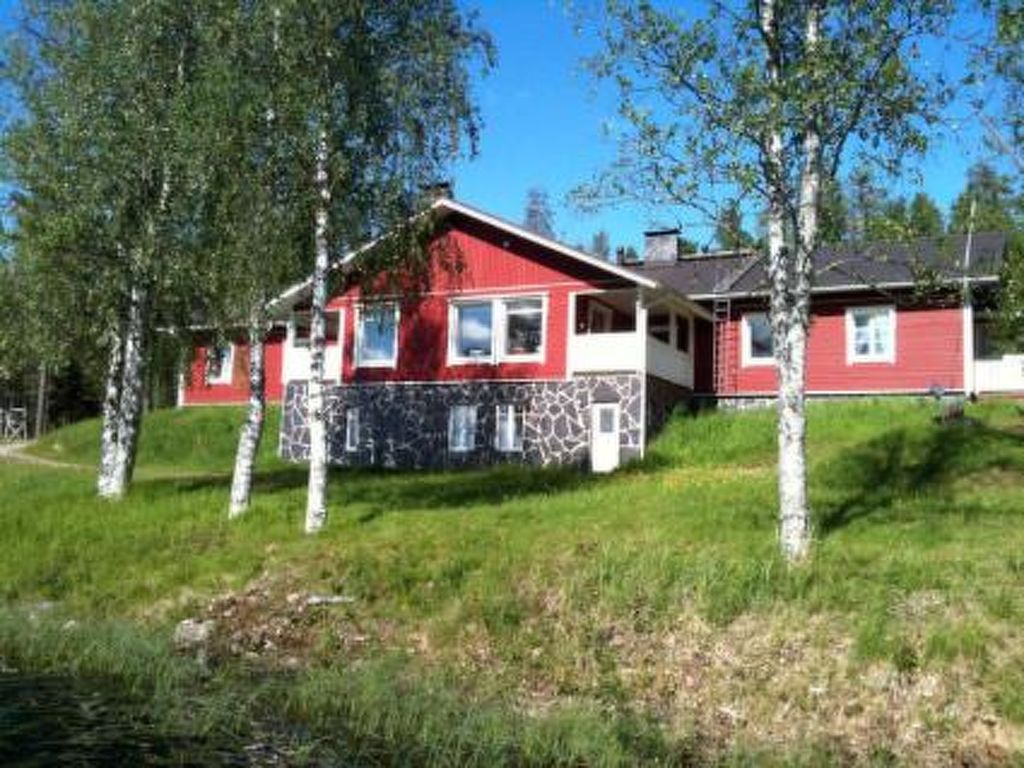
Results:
x,y
544,117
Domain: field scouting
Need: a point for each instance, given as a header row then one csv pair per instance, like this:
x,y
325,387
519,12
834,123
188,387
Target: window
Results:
x,y
302,327
871,335
659,326
472,331
524,327
508,431
220,360
487,330
683,334
758,347
462,428
377,336
352,429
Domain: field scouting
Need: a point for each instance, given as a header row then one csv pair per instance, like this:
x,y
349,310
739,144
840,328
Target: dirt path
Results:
x,y
13,452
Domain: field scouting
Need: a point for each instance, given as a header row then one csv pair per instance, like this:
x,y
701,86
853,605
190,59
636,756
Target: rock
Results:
x,y
329,600
191,634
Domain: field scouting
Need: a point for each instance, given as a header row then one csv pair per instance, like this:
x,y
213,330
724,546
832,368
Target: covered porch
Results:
x,y
633,329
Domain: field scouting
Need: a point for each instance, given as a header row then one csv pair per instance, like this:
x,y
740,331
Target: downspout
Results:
x,y
968,309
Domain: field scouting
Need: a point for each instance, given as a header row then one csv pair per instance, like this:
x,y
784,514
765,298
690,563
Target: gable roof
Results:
x,y
444,207
847,266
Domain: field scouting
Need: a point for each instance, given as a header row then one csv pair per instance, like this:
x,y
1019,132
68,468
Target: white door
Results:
x,y
604,437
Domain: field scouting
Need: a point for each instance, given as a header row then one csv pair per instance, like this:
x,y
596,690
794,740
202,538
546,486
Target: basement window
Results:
x,y
462,428
352,430
508,434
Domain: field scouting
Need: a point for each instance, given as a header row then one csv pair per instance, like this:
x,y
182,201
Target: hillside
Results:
x,y
527,616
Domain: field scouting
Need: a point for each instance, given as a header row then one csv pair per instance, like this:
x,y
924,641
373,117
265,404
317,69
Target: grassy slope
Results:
x,y
655,591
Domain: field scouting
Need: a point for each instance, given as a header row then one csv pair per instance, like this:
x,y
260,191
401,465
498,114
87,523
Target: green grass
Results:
x,y
589,603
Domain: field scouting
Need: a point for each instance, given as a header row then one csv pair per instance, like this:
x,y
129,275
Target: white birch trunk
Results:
x,y
111,402
252,430
789,276
129,409
316,498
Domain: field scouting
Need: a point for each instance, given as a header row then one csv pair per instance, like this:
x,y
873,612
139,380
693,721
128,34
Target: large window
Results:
x,y
462,428
377,335
758,348
220,363
490,330
871,335
473,331
508,431
524,327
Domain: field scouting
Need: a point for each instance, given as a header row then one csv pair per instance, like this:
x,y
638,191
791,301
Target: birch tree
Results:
x,y
249,207
95,156
765,100
379,96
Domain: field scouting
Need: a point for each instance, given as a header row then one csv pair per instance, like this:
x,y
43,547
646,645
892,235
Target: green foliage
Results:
x,y
697,101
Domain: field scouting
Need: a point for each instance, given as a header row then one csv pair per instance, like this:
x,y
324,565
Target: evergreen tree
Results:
x,y
997,208
539,218
601,246
729,232
924,219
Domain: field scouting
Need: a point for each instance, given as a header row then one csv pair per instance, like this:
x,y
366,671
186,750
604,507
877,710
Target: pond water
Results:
x,y
50,721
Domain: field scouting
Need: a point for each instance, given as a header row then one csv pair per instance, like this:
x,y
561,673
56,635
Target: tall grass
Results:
x,y
515,585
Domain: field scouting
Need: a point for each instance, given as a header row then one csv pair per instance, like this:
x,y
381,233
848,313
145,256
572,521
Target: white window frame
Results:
x,y
352,428
745,339
518,419
227,368
472,410
454,358
391,362
499,330
889,356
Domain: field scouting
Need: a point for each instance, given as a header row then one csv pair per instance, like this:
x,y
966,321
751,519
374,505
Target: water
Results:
x,y
50,721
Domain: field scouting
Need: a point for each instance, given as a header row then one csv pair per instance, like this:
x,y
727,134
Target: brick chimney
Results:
x,y
661,246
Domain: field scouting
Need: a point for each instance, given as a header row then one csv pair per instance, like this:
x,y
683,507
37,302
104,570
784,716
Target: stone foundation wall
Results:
x,y
406,425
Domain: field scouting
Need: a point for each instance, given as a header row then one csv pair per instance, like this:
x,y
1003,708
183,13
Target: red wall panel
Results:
x,y
198,392
929,352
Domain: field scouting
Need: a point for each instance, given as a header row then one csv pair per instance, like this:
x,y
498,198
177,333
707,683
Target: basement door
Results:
x,y
604,437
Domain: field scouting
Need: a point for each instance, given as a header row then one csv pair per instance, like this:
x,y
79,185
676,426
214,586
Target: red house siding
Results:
x,y
929,352
490,263
482,261
197,392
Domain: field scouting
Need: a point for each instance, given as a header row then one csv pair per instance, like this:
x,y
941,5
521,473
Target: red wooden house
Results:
x,y
533,351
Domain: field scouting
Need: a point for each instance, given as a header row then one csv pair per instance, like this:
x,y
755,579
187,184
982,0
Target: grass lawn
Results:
x,y
517,616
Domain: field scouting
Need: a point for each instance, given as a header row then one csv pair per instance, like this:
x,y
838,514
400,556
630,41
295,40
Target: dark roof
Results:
x,y
848,265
